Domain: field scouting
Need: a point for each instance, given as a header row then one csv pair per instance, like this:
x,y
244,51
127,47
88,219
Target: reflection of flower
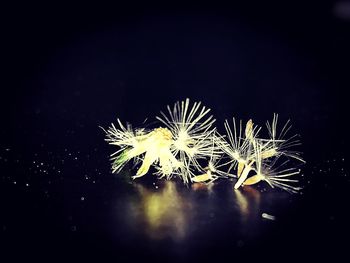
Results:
x,y
164,212
247,200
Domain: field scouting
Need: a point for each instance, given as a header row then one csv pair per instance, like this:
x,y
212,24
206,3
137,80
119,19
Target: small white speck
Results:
x,y
14,182
156,186
27,184
82,198
267,216
7,149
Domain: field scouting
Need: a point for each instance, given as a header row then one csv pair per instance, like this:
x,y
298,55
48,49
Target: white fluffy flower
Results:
x,y
193,133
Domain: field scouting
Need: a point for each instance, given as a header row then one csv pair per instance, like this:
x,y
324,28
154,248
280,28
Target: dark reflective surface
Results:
x,y
58,198
66,203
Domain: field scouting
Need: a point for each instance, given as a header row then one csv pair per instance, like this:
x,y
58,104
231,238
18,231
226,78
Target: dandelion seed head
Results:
x,y
189,147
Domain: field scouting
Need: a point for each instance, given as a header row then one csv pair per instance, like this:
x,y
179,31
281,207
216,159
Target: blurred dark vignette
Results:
x,y
70,68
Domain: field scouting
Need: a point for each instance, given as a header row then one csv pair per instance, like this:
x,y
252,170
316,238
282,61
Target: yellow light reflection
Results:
x,y
164,211
248,202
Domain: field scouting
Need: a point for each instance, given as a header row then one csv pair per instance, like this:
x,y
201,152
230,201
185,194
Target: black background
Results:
x,y
69,68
